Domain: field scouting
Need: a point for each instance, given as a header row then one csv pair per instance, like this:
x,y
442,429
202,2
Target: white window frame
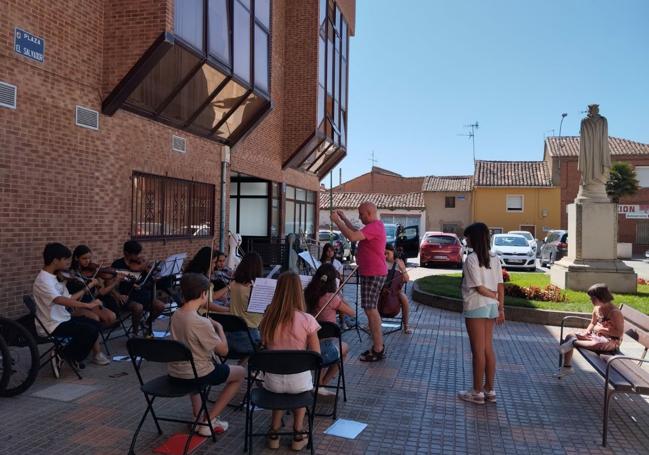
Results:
x,y
522,203
642,173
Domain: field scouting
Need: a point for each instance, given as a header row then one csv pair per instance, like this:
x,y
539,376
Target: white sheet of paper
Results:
x,y
390,325
348,429
305,279
310,259
159,334
173,264
261,295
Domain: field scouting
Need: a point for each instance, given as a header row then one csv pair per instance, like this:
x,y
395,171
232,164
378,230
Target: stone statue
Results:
x,y
594,157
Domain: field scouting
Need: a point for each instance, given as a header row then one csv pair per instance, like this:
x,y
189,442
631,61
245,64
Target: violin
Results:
x,y
93,270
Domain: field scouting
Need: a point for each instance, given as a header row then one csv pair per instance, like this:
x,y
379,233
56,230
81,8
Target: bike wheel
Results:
x,y
23,357
5,364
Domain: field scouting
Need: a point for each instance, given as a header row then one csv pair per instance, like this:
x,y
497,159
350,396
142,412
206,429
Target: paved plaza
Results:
x,y
408,402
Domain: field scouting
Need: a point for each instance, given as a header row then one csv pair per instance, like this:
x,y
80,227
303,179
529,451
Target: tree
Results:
x,y
622,182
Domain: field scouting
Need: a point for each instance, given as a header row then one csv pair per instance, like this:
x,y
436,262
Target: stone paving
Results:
x,y
408,401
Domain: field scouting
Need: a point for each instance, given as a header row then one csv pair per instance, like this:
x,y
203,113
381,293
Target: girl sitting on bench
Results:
x,y
603,334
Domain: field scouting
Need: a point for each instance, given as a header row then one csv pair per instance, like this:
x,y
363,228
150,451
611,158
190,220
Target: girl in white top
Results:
x,y
483,295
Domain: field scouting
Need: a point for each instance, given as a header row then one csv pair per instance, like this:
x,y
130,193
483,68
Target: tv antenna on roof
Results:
x,y
373,160
471,135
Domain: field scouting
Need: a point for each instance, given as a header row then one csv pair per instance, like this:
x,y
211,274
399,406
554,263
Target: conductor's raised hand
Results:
x,y
335,217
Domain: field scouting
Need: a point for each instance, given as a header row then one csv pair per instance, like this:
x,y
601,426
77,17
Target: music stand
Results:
x,y
355,325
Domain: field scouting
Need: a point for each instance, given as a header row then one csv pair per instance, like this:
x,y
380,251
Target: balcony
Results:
x,y
210,76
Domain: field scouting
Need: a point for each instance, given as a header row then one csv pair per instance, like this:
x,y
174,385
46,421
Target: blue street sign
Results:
x,y
29,46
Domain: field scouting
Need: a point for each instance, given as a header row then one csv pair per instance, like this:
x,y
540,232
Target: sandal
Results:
x,y
300,441
272,439
372,355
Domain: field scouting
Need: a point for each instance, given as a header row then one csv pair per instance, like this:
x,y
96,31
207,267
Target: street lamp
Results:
x,y
564,115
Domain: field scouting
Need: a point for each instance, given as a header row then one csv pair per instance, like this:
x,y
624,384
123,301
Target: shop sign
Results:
x,y
29,45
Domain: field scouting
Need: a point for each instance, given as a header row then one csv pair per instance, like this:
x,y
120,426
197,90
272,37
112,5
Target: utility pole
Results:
x,y
471,135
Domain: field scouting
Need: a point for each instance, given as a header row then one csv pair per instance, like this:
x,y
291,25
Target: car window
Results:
x,y
441,239
564,238
324,236
390,231
552,237
510,241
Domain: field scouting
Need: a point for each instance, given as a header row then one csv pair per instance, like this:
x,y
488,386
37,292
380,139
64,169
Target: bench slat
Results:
x,y
637,334
599,362
635,317
635,374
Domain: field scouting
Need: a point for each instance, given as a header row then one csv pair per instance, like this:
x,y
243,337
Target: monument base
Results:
x,y
579,275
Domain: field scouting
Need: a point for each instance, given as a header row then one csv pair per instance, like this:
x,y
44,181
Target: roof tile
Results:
x,y
448,183
512,173
569,146
343,200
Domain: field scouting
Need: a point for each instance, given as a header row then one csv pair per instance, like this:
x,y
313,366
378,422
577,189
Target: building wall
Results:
x,y
352,215
489,206
60,182
377,182
437,214
569,178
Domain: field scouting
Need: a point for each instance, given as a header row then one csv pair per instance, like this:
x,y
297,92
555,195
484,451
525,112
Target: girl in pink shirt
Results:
x,y
319,297
286,326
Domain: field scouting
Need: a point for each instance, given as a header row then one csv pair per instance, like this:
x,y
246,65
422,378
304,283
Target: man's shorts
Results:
x,y
371,291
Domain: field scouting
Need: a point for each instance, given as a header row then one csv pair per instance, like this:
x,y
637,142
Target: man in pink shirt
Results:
x,y
370,257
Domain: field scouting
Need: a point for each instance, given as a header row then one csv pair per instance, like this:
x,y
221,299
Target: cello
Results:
x,y
389,305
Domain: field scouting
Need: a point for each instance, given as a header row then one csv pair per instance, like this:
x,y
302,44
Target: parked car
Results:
x,y
441,248
514,251
405,240
530,238
554,247
342,246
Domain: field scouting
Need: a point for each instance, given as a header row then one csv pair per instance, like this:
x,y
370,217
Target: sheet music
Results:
x,y
261,295
305,279
309,259
172,265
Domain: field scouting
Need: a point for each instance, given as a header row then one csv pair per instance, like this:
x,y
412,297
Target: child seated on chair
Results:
x,y
319,297
286,326
204,337
603,334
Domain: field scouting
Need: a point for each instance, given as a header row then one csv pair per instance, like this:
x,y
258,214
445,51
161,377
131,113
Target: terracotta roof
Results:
x,y
569,146
512,173
343,200
448,183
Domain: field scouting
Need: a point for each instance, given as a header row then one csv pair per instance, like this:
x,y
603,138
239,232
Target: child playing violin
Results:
x,y
392,264
106,313
137,297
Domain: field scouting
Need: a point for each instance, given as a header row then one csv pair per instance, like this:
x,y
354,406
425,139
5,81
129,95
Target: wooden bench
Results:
x,y
621,373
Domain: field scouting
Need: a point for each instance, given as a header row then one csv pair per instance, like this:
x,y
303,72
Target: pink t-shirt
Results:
x,y
370,256
295,337
329,313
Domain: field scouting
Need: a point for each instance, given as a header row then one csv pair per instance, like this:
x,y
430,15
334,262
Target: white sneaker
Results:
x,y
566,346
563,372
471,396
219,426
490,396
325,392
100,359
56,363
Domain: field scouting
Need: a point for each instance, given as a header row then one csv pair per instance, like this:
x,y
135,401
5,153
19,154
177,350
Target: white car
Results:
x,y
530,238
514,251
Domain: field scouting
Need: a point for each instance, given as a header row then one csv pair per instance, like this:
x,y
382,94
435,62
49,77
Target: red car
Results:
x,y
440,247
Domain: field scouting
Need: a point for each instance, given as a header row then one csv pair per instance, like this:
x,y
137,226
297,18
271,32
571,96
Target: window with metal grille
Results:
x,y
449,202
166,207
642,232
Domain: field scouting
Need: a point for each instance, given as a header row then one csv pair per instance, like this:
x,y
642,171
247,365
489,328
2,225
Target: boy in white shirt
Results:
x,y
53,301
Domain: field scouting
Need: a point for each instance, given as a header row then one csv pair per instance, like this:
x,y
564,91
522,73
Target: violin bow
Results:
x,y
344,282
210,270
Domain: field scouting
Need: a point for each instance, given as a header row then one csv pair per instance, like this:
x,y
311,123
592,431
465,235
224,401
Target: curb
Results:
x,y
512,313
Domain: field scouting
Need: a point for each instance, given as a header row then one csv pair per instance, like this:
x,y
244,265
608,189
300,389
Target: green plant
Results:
x,y
622,181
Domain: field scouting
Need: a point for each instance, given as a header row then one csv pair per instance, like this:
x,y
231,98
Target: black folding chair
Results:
x,y
281,362
165,351
58,344
234,324
332,330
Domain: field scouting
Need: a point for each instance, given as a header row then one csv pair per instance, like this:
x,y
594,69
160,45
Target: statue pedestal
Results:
x,y
592,250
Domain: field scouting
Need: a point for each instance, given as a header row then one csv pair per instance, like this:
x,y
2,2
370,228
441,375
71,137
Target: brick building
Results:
x,y
561,154
118,117
380,180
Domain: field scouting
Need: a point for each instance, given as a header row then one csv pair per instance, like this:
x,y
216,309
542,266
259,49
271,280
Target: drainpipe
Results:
x,y
225,161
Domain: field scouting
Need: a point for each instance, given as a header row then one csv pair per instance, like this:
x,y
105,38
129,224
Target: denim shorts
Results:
x,y
329,351
489,311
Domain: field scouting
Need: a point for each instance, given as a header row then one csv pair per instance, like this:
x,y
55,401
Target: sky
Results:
x,y
420,70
